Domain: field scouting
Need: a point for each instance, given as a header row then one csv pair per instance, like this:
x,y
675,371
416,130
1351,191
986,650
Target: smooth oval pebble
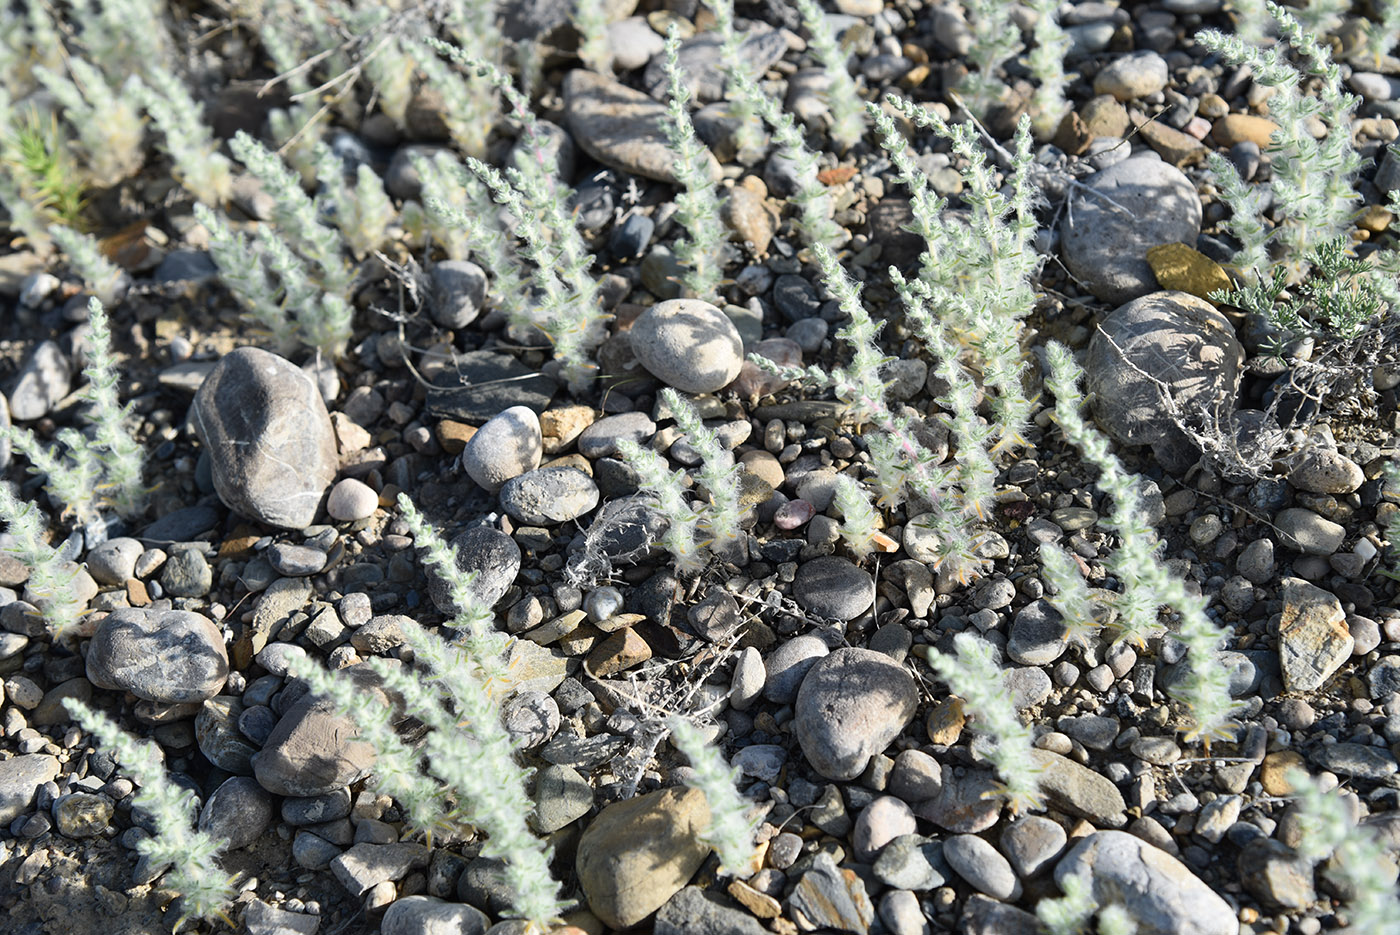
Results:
x,y
688,344
351,500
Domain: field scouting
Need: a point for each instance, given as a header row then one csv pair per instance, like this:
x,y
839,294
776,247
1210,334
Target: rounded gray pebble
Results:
x,y
549,496
507,446
833,587
688,344
980,865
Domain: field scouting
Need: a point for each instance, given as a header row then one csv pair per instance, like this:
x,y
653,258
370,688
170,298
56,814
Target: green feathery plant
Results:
x,y
1203,686
35,154
205,889
590,18
1072,913
50,578
109,129
1046,61
973,674
196,161
730,831
844,104
702,251
995,39
1312,179
748,136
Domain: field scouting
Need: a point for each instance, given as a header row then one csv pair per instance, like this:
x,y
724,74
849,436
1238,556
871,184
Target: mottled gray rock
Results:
x,y
1122,211
485,552
44,379
262,919
834,587
702,64
979,864
827,898
1161,895
561,796
114,561
313,750
1304,531
762,761
984,916
1276,875
851,705
912,862
1174,338
531,718
694,911
967,803
916,776
600,439
789,664
217,733
1321,470
459,288
1137,75
1031,845
239,811
1358,761
1079,790
1313,638
688,344
427,915
20,778
549,496
186,573
367,865
1037,635
621,128
879,823
169,656
270,441
82,814
507,446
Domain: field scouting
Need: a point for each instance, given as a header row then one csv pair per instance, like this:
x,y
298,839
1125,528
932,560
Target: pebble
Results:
x,y
1106,248
1156,889
291,560
1140,74
531,718
313,750
640,852
114,561
1079,790
166,656
1305,531
269,438
1276,875
980,865
912,862
688,344
44,379
507,446
1323,471
788,665
351,500
262,919
1356,760
549,496
562,795
901,913
487,557
365,866
82,814
600,440
879,823
619,127
459,290
1155,332
632,43
1313,638
916,776
851,705
428,915
834,588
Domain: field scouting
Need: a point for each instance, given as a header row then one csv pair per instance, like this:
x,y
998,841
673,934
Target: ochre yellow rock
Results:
x,y
1186,269
1238,128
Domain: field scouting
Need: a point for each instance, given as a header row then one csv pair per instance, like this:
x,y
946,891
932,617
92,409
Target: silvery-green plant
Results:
x,y
1203,684
730,831
196,161
859,522
973,673
104,278
110,133
1046,60
1073,912
362,213
1356,860
1377,37
50,578
451,216
123,37
717,472
469,104
1069,593
669,498
191,854
88,473
702,250
590,18
844,104
748,136
995,39
1312,179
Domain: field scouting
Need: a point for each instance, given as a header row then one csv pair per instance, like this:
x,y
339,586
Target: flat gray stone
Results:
x,y
1078,790
549,496
980,865
694,911
620,127
270,441
20,778
167,656
239,811
825,898
365,866
851,706
834,587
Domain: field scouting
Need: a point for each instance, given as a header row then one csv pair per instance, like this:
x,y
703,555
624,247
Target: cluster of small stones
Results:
x,y
277,538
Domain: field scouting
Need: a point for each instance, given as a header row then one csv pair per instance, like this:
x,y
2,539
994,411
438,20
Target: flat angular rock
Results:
x,y
693,911
1161,895
269,438
313,750
851,706
167,656
484,383
20,778
638,853
620,127
1313,637
1079,790
367,865
828,897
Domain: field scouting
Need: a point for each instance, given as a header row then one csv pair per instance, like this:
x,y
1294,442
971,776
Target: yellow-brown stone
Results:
x,y
760,904
453,436
1240,128
1186,269
945,722
1375,219
1274,769
562,424
620,651
1176,147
